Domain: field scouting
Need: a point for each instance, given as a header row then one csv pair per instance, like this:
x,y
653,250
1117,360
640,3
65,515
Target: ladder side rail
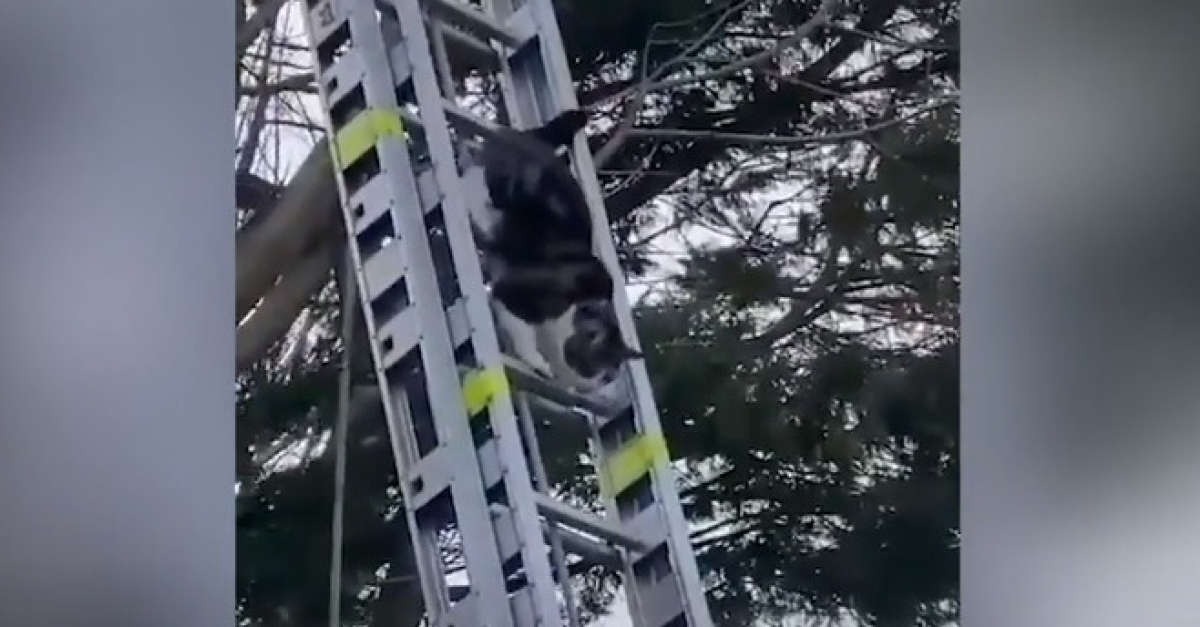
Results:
x,y
559,90
514,467
323,18
433,338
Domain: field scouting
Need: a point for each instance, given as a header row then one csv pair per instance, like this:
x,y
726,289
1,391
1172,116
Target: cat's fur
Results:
x,y
551,295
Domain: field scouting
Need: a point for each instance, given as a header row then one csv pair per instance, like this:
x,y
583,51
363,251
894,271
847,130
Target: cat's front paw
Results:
x,y
538,364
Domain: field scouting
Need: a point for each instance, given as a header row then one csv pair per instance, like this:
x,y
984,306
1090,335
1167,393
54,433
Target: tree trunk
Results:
x,y
306,210
282,305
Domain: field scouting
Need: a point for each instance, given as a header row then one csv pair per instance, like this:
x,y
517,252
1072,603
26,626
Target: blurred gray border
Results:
x,y
1081,481
116,267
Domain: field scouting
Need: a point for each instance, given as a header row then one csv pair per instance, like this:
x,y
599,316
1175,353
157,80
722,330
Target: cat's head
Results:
x,y
595,350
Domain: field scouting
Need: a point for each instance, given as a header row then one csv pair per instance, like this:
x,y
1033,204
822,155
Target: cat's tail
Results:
x,y
561,130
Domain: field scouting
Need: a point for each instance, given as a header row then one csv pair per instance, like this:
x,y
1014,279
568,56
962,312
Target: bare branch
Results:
x,y
621,134
302,83
311,127
699,43
895,41
803,140
755,115
816,302
920,174
820,18
249,30
258,119
633,102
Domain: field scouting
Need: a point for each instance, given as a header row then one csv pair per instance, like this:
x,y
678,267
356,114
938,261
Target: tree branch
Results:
x,y
282,305
308,205
804,311
249,30
888,40
634,101
302,83
820,18
756,117
271,245
254,193
258,119
827,138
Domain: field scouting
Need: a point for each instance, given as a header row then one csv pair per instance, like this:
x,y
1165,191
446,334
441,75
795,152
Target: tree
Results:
x,y
782,179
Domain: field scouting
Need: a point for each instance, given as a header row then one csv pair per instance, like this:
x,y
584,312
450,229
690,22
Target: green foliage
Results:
x,y
284,515
818,529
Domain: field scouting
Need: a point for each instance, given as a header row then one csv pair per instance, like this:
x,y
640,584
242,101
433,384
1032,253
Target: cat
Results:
x,y
551,294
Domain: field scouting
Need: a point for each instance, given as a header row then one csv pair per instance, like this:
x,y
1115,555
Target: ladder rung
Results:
x,y
479,51
428,477
401,67
464,613
464,610
340,77
458,593
458,321
528,381
557,512
384,269
398,337
552,415
369,204
508,540
458,13
592,551
661,602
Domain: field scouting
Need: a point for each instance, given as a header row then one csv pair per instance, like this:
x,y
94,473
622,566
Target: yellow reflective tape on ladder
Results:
x,y
363,132
632,462
481,387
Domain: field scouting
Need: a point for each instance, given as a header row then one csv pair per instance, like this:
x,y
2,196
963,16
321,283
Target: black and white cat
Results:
x,y
551,295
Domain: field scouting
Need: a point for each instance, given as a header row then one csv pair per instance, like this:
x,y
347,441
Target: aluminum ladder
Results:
x,y
459,410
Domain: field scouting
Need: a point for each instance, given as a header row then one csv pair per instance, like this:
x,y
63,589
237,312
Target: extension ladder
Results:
x,y
465,442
